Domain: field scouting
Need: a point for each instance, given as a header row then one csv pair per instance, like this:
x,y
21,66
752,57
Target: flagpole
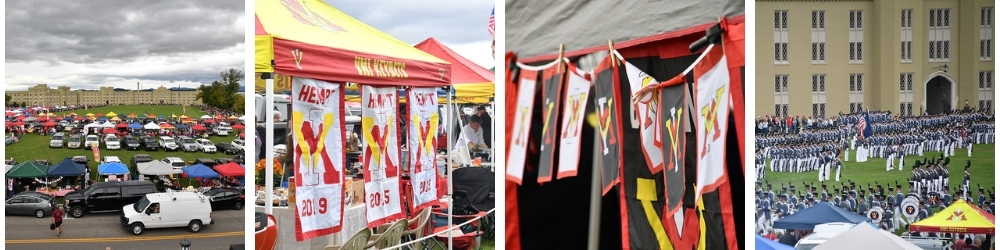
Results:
x,y
448,169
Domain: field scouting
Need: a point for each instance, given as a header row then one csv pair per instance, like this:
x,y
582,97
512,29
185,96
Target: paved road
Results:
x,y
101,230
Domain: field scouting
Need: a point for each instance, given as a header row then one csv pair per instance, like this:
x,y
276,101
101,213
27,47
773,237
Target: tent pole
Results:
x,y
451,195
595,200
269,135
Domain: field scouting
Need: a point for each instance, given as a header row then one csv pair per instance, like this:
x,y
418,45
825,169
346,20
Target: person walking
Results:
x,y
57,218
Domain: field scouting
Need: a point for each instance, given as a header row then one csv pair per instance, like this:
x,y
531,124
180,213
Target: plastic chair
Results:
x,y
417,227
356,242
389,237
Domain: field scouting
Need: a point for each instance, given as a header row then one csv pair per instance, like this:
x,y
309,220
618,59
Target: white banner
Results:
x,y
646,119
712,83
381,154
422,139
574,110
522,125
317,115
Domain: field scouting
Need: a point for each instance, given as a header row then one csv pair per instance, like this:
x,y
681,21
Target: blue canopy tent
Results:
x,y
821,213
181,126
200,171
762,243
102,119
135,125
112,168
67,168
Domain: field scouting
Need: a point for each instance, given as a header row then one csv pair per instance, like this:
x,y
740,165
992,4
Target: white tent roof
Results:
x,y
156,167
91,125
107,125
206,117
866,237
151,126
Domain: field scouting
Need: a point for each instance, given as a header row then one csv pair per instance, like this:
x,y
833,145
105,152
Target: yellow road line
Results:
x,y
123,239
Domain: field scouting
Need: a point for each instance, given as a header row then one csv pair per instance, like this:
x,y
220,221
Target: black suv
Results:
x,y
149,144
107,196
131,143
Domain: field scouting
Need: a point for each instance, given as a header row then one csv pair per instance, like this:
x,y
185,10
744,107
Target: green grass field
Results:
x,y
164,110
36,147
873,170
862,174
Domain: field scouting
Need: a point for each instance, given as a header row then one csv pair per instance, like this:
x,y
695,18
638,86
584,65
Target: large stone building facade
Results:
x,y
43,95
822,57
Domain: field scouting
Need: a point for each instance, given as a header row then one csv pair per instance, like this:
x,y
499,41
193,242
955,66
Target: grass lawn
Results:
x,y
36,147
164,110
862,174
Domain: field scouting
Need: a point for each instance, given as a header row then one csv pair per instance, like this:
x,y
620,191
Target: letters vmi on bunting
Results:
x,y
607,104
517,157
317,122
381,154
551,93
673,121
574,110
712,104
422,134
646,112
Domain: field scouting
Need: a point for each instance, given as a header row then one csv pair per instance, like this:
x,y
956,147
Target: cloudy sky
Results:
x,y
88,44
460,25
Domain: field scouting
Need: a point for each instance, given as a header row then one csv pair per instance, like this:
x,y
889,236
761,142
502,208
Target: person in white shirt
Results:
x,y
472,134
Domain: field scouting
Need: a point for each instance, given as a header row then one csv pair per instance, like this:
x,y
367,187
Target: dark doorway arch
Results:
x,y
939,94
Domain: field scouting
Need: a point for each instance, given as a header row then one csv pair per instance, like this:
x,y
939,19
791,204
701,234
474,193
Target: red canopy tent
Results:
x,y
198,127
473,83
230,169
109,131
209,121
238,126
19,123
121,125
49,124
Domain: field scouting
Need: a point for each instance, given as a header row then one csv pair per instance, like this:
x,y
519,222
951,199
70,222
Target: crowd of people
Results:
x,y
801,144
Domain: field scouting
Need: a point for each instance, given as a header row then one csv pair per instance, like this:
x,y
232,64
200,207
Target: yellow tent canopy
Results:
x,y
303,38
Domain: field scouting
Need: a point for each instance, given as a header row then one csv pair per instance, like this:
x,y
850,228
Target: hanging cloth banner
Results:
x,y
673,118
574,110
607,103
518,155
551,92
381,154
646,113
317,122
423,123
712,104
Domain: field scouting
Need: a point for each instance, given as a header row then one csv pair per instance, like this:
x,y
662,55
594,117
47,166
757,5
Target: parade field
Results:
x,y
872,171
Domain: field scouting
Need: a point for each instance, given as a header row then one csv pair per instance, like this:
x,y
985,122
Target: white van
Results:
x,y
170,209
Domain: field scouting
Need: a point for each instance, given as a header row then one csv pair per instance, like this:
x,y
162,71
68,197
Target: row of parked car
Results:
x,y
149,143
140,204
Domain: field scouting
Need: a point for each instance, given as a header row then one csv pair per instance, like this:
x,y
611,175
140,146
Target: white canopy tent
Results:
x,y
151,126
156,167
107,125
866,237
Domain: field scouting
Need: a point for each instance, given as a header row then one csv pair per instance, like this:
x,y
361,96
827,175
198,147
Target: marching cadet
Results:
x,y
901,155
915,178
965,182
770,193
766,209
846,203
876,201
791,195
862,205
890,157
982,197
871,195
946,198
824,194
836,198
888,216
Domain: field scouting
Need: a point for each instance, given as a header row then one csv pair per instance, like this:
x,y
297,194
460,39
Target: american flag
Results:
x,y
861,126
492,27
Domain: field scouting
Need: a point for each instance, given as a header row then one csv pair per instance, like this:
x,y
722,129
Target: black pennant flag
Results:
x,y
673,119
